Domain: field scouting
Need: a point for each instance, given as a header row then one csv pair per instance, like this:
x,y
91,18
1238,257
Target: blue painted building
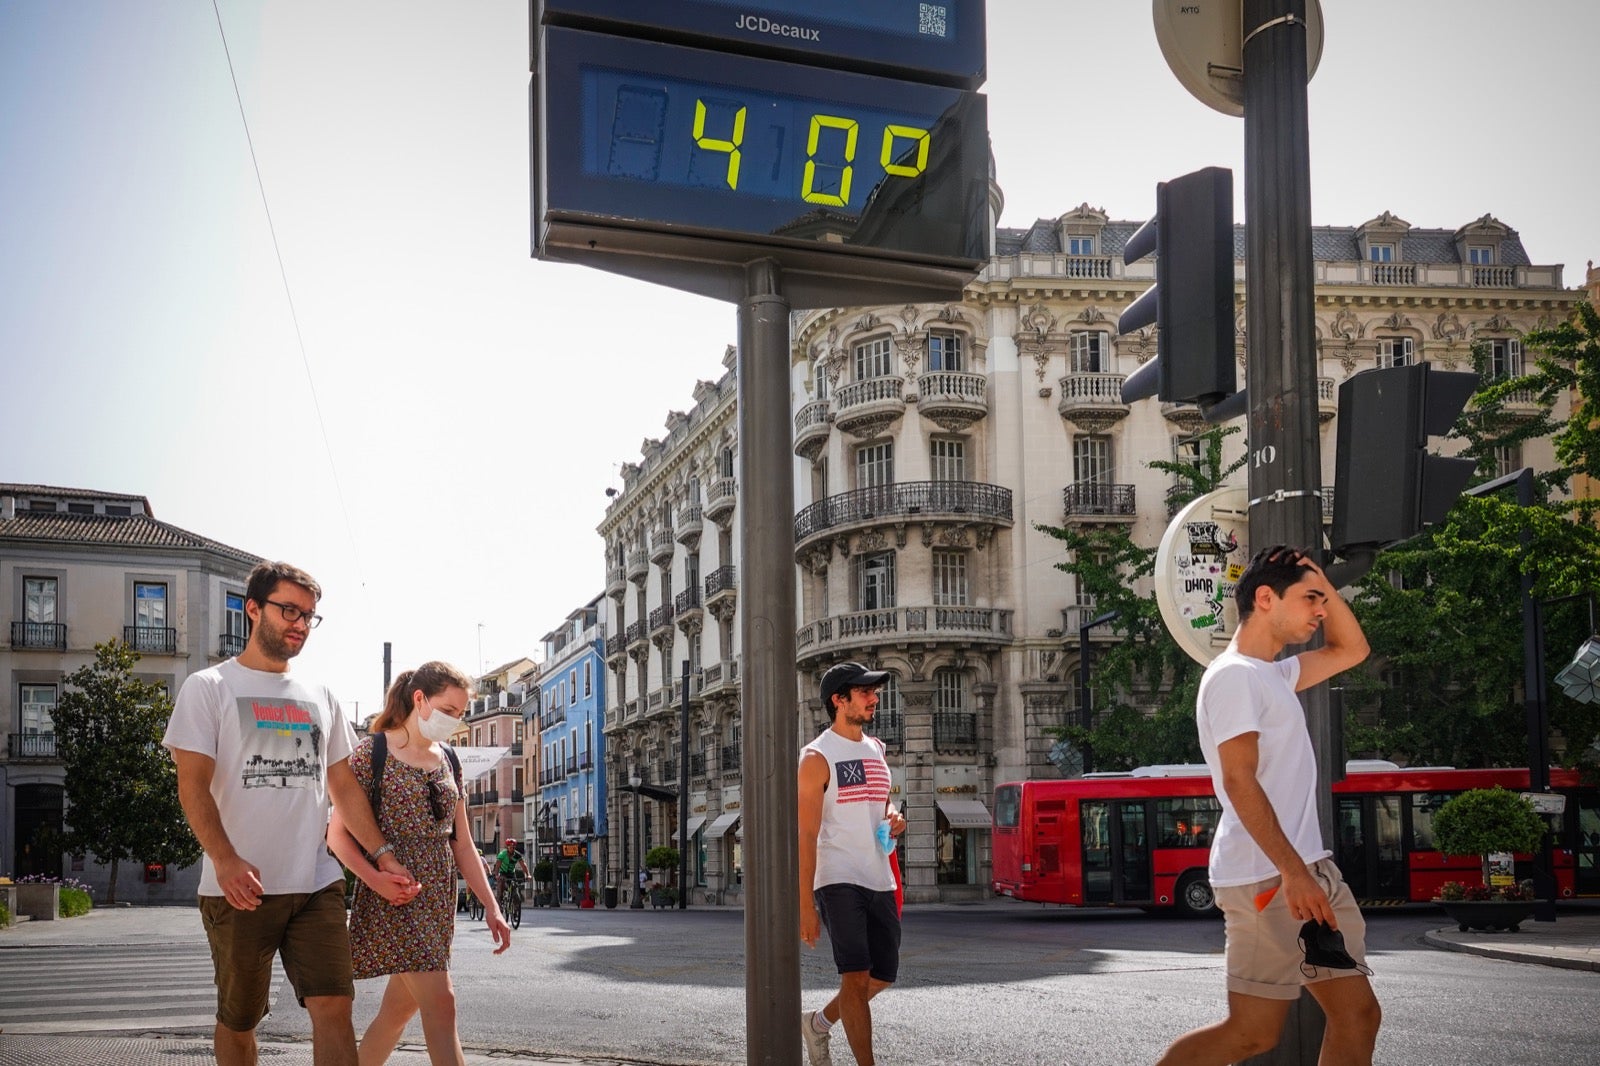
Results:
x,y
568,818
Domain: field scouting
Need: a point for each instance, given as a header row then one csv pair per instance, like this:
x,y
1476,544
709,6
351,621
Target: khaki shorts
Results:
x,y
308,929
1264,957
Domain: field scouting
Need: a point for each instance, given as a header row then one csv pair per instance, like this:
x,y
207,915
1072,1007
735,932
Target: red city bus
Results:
x,y
1143,838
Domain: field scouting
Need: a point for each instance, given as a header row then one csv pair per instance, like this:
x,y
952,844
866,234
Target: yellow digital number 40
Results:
x,y
731,146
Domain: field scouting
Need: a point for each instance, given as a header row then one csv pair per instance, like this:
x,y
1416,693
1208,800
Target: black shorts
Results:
x,y
864,928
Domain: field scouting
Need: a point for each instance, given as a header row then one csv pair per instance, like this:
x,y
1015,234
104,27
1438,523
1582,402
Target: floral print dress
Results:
x,y
415,938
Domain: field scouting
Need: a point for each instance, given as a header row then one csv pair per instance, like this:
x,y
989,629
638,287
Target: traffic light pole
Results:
x,y
1285,453
767,613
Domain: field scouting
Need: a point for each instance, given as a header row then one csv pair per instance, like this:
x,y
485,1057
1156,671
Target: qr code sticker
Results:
x,y
930,19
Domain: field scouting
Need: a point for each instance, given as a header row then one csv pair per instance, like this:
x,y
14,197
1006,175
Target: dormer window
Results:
x,y
1080,245
1480,255
1380,253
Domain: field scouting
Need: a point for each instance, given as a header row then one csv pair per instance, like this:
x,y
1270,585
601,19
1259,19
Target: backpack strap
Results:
x,y
380,755
455,768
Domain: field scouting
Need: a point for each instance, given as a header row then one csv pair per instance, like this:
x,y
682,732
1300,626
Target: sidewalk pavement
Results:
x,y
1571,942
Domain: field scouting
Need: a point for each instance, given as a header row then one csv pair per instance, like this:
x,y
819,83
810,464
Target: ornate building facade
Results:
x,y
931,442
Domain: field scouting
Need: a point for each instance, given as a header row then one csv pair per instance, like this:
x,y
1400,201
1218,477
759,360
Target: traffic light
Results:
x,y
1386,486
1191,302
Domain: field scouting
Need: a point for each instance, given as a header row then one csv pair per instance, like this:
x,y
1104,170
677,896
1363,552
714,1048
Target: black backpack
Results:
x,y
380,755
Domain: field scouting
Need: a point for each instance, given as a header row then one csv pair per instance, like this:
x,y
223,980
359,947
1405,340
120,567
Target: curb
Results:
x,y
1432,939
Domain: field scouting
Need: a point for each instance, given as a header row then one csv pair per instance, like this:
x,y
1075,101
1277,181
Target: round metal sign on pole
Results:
x,y
1201,556
1203,43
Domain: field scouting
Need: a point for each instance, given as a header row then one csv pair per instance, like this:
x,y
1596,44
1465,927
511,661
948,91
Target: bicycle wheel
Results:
x,y
475,909
514,914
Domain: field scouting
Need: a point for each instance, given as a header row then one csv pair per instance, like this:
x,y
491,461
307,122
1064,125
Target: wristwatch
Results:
x,y
383,850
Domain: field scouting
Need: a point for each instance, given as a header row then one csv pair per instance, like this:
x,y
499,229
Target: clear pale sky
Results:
x,y
477,402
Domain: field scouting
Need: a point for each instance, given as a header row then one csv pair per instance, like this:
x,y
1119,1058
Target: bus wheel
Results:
x,y
1194,896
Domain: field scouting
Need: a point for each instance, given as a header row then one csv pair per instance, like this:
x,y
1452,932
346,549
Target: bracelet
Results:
x,y
385,849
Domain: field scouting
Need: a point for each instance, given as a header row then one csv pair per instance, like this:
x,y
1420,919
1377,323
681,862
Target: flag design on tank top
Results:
x,y
862,781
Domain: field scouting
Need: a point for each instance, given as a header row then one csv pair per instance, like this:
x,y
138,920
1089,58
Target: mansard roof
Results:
x,y
1328,243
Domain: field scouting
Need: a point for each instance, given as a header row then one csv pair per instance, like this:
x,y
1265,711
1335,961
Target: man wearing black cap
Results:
x,y
846,880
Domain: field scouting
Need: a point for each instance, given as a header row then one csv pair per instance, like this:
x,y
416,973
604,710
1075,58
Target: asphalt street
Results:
x,y
996,982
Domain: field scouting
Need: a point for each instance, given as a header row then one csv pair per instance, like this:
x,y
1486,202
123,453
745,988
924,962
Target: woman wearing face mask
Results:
x,y
424,818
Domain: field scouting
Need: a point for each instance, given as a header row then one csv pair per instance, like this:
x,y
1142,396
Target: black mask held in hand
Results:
x,y
1324,946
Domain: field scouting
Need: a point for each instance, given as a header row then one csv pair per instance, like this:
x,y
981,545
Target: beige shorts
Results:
x,y
1264,957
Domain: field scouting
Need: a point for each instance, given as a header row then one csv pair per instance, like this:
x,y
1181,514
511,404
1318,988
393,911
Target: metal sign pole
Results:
x,y
1285,447
767,624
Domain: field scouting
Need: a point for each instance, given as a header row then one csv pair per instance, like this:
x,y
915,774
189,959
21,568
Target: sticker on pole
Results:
x,y
1202,554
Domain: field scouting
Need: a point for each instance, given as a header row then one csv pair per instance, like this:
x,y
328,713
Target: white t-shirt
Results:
x,y
1239,695
273,738
853,803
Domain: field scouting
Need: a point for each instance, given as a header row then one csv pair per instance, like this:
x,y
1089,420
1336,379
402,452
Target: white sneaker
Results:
x,y
816,1043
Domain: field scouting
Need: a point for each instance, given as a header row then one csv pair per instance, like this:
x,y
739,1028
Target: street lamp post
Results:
x,y
553,818
634,781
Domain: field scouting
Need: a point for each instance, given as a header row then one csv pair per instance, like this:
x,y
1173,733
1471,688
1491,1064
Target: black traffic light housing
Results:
x,y
1191,302
1386,485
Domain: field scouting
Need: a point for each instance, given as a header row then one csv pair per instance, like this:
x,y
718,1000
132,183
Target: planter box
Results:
x,y
40,903
1488,914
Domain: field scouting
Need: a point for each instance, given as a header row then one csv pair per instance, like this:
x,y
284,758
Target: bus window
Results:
x,y
1094,817
1424,805
1186,821
1007,806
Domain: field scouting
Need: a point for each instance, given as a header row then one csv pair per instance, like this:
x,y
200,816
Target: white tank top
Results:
x,y
853,803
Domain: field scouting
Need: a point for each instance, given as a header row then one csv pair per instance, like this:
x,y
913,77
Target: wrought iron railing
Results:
x,y
39,635
906,498
151,640
231,644
1097,497
954,729
31,745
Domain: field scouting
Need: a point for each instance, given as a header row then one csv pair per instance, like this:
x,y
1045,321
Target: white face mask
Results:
x,y
438,726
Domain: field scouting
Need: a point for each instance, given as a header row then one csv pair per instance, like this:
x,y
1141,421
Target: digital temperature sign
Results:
x,y
683,143
933,40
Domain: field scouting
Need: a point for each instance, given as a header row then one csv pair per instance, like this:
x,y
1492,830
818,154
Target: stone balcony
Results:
x,y
1093,402
688,524
812,424
827,639
721,496
866,408
951,399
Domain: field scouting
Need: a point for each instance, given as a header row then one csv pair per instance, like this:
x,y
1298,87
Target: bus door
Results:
x,y
1116,851
1369,850
1586,845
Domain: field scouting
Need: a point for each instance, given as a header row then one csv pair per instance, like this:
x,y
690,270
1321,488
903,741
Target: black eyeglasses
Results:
x,y
293,614
441,800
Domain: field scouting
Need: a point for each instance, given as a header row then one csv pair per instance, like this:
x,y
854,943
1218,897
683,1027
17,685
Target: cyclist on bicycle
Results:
x,y
506,864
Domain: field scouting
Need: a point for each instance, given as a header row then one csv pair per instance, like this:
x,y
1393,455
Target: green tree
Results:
x,y
1443,611
122,788
1144,684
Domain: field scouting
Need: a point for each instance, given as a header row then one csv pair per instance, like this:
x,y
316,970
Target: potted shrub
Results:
x,y
1485,822
543,871
662,858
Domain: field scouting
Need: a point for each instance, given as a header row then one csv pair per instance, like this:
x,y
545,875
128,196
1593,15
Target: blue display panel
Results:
x,y
654,135
935,40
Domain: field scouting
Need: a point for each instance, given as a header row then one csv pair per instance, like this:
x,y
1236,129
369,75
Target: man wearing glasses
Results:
x,y
260,753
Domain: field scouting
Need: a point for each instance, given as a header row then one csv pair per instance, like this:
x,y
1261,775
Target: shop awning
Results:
x,y
723,823
966,814
695,822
